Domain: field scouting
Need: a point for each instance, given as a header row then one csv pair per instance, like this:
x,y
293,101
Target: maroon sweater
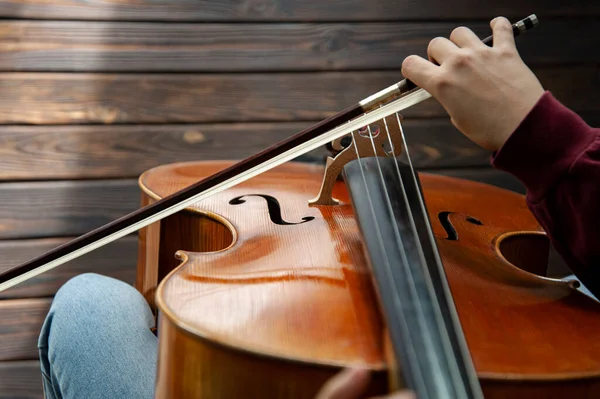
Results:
x,y
557,157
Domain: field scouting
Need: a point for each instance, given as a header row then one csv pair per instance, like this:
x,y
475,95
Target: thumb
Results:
x,y
348,384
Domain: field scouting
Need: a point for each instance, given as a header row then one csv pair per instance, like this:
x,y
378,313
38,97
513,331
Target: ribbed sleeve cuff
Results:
x,y
544,146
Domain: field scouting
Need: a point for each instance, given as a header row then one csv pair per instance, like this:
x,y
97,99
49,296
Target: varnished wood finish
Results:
x,y
148,254
30,98
288,10
254,245
302,292
227,373
133,47
20,324
117,260
21,380
582,388
159,242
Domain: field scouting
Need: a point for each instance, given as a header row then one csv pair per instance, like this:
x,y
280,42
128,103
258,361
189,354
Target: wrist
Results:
x,y
544,146
521,109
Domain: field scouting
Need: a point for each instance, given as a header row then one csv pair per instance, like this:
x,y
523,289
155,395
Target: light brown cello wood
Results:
x,y
158,243
284,306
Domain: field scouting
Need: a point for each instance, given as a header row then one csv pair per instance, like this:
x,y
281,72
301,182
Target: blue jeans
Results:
x,y
96,342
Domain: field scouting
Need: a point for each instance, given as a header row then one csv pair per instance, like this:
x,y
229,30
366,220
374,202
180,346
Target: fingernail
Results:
x,y
496,20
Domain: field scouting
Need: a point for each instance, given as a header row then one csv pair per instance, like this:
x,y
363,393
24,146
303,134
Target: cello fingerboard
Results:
x,y
424,330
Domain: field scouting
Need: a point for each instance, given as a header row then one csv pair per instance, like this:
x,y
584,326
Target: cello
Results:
x,y
418,278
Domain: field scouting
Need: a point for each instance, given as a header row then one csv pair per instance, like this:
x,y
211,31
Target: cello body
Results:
x,y
261,295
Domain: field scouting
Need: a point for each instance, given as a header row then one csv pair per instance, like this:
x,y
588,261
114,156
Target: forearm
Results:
x,y
557,157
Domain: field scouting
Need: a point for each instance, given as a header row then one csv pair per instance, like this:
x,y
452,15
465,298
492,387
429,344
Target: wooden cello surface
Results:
x,y
269,297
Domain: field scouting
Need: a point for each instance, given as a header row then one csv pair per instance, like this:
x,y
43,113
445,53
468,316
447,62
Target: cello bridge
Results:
x,y
381,139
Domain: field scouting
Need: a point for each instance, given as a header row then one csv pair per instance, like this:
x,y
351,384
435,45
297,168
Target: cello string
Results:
x,y
474,382
446,344
419,381
432,356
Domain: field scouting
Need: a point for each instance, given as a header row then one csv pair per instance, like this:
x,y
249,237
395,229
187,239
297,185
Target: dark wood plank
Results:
x,y
62,98
21,380
64,208
20,324
78,152
289,10
117,259
111,47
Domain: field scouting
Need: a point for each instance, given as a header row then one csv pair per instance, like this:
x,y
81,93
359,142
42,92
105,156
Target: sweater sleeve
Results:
x,y
556,155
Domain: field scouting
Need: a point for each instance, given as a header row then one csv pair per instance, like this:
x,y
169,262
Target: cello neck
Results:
x,y
423,327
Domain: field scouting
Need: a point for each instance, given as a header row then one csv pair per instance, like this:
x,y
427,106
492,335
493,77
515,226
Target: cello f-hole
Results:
x,y
452,234
274,209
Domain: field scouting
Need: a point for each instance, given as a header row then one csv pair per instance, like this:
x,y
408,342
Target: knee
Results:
x,y
82,285
96,289
93,320
91,293
90,303
78,297
90,287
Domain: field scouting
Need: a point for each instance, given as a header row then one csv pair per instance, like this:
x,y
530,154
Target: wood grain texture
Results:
x,y
79,152
187,231
236,374
146,47
266,280
49,98
21,380
120,151
288,10
117,259
359,329
65,208
20,324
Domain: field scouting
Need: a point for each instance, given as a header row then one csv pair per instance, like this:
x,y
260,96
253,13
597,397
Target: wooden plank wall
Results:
x,y
94,92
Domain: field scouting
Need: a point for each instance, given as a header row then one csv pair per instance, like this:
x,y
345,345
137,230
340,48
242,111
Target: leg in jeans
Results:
x,y
96,342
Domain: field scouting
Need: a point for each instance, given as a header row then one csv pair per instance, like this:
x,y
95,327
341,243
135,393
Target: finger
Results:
x,y
464,37
398,395
419,71
440,49
502,33
348,384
